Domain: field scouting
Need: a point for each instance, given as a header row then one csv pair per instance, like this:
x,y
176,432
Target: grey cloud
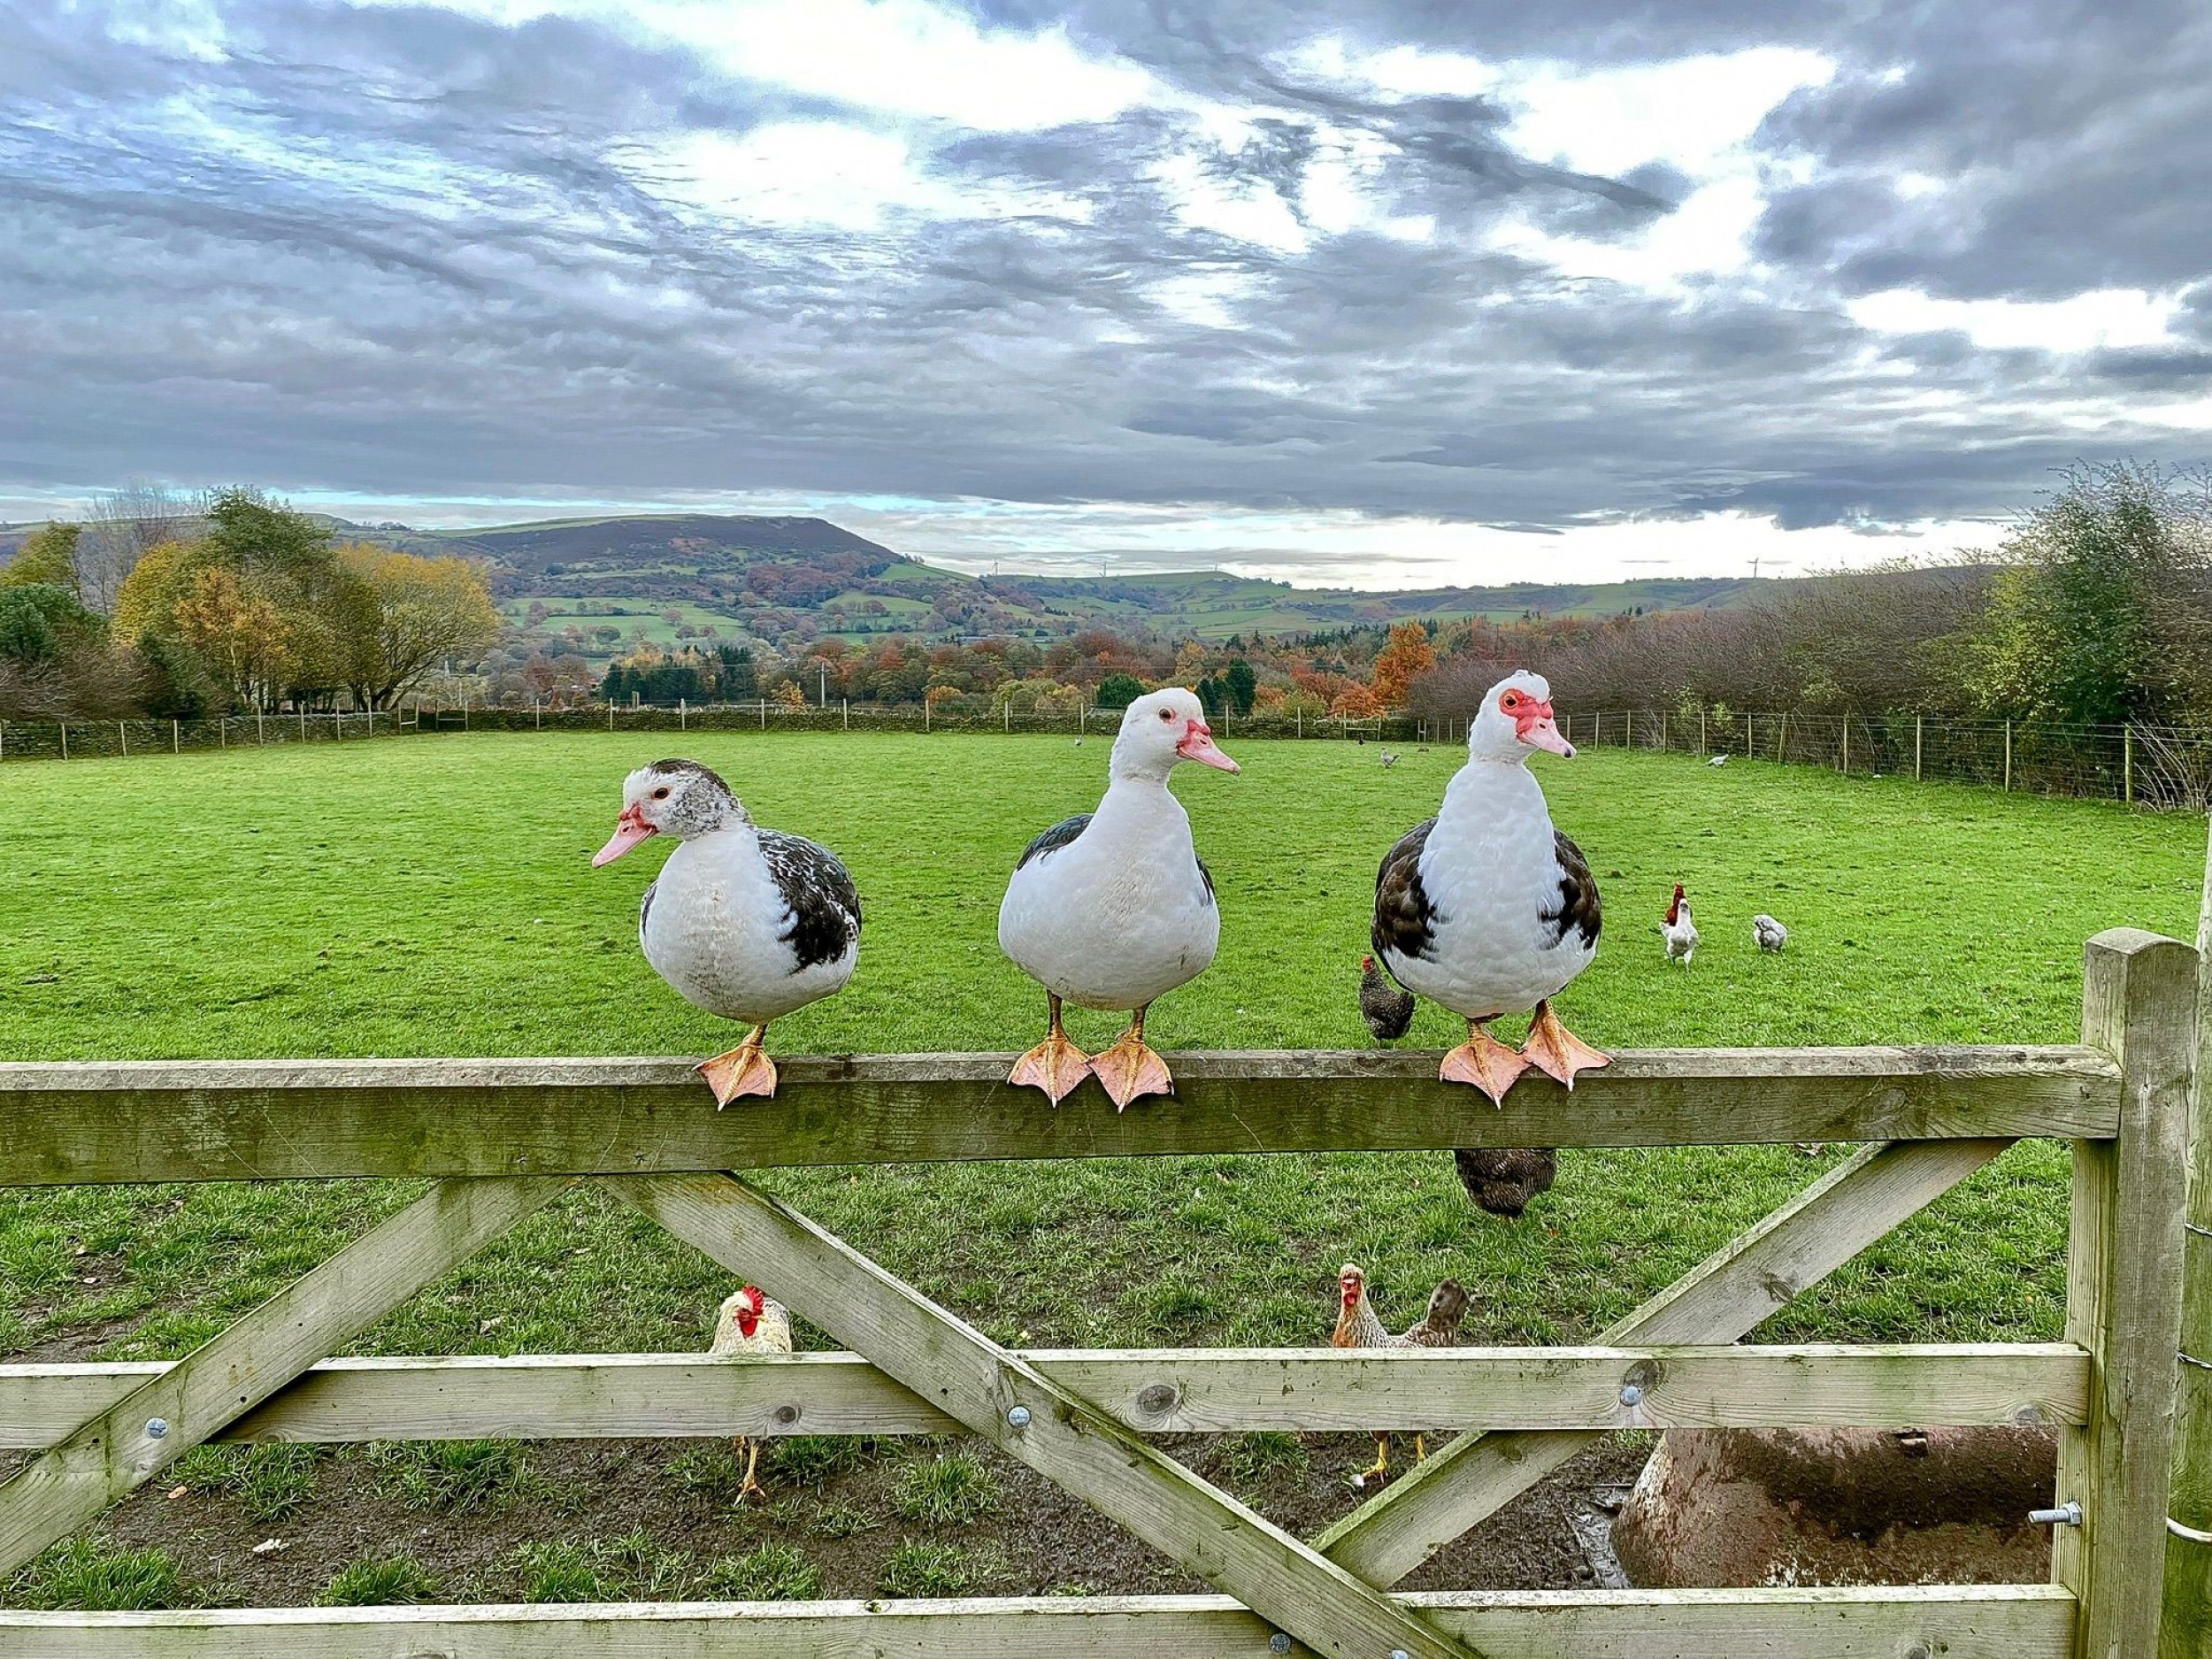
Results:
x,y
436,270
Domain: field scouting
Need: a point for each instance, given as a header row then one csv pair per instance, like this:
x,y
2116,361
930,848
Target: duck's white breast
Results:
x,y
1490,870
1118,915
715,930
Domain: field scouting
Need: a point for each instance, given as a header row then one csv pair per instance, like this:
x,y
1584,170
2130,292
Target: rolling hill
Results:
x,y
596,585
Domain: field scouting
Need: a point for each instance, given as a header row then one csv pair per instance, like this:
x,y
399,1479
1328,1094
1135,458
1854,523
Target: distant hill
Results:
x,y
599,584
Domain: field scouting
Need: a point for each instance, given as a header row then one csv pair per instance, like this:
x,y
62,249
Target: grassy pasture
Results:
x,y
434,897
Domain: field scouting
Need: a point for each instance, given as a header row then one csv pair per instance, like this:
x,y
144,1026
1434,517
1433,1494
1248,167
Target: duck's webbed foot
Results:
x,y
1055,1065
744,1070
1130,1067
1557,1052
1483,1061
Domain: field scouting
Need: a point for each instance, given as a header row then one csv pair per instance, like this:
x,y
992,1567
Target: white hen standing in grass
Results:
x,y
1679,930
750,1325
1771,933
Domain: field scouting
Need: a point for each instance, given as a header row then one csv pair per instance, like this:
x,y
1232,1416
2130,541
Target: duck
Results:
x,y
1769,933
1487,908
1112,909
1678,930
748,923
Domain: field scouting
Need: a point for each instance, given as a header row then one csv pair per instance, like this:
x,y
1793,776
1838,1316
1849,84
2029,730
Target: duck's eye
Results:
x,y
661,794
1511,700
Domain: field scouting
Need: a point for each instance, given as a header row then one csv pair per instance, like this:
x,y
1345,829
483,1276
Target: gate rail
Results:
x,y
502,1138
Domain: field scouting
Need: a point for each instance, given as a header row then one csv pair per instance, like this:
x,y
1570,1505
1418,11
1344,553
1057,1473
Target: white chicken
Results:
x,y
750,1325
1771,933
1679,930
1718,760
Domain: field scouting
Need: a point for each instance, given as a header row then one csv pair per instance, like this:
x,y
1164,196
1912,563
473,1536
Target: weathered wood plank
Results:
x,y
111,1451
1722,1298
623,1396
225,1120
2185,1628
2123,1290
1958,1622
1030,1418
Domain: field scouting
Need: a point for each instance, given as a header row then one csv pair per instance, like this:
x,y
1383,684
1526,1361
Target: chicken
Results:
x,y
1679,930
1771,933
1502,1180
1390,759
1387,1010
1718,760
1357,1326
749,1324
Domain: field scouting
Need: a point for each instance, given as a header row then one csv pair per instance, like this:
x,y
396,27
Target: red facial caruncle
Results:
x,y
749,1308
1533,721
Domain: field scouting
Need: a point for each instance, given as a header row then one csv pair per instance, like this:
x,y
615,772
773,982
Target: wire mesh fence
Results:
x,y
2163,767
2154,766
82,740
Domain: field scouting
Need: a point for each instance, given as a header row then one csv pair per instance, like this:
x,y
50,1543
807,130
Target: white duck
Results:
x,y
1489,909
746,923
1679,930
1112,909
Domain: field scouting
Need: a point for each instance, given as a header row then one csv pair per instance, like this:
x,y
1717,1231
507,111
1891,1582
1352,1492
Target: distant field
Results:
x,y
435,897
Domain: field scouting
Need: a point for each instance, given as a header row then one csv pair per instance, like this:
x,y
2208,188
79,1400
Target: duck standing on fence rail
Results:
x,y
746,923
1112,909
1487,908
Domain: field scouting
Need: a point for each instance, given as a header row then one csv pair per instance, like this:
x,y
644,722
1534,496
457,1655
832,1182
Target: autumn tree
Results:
x,y
1356,702
1398,664
412,612
240,635
49,557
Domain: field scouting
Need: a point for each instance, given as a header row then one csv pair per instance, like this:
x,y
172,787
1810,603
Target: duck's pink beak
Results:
x,y
1538,729
629,830
1198,745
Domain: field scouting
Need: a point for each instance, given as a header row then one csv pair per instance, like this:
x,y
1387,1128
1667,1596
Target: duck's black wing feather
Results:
x,y
1058,836
1403,913
645,909
825,904
1578,910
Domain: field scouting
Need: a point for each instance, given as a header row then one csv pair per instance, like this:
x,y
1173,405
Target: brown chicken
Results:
x,y
1500,1179
1359,1325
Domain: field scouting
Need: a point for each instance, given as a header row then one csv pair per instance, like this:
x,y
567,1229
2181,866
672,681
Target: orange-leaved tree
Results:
x,y
1398,664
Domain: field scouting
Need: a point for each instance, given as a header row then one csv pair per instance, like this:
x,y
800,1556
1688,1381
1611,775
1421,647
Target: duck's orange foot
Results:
x,y
1485,1062
1557,1052
1055,1065
1130,1069
744,1070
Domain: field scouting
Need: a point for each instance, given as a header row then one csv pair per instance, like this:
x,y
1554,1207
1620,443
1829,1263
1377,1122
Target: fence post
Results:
x,y
1006,717
2123,1290
1918,721
763,714
610,715
122,738
2186,1628
1663,729
683,714
1782,739
1847,742
65,739
260,728
2008,758
1700,731
176,739
1628,739
845,712
2127,764
302,712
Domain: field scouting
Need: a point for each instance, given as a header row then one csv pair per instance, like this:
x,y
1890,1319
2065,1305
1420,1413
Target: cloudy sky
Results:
x,y
1390,293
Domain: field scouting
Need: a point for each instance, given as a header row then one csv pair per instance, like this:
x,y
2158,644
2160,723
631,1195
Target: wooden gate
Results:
x,y
502,1138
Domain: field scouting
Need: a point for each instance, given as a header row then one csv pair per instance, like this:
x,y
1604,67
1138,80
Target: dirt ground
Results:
x,y
1034,1540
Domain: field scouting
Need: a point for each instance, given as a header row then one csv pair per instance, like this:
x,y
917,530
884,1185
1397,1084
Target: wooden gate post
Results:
x,y
2124,1291
2186,1630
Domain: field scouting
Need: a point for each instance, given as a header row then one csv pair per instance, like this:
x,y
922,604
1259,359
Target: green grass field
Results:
x,y
435,897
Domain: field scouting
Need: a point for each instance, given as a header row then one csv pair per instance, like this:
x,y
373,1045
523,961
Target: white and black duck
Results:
x,y
747,923
1487,908
1112,909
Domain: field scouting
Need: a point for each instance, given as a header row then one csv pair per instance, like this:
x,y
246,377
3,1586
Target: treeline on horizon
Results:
x,y
2096,608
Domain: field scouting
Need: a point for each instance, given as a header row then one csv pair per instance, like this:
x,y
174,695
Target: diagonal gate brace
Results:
x,y
1721,1300
1059,1434
230,1373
